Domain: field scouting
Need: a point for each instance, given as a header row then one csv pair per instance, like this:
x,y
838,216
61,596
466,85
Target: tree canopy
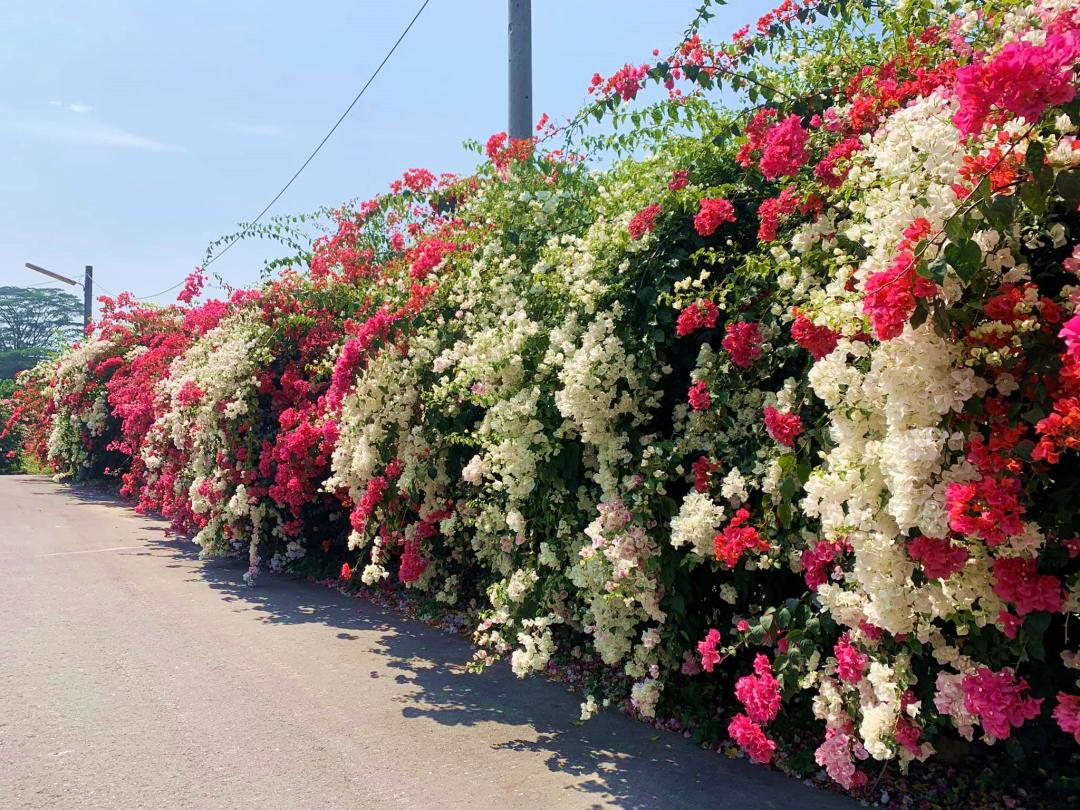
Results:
x,y
37,318
32,322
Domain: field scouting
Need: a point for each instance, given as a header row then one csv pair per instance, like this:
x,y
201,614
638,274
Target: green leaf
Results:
x,y
1033,198
999,212
783,511
919,316
787,487
1035,627
803,471
965,258
1036,157
1068,186
935,270
959,229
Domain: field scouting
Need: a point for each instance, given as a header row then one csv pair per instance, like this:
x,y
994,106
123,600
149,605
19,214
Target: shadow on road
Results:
x,y
611,756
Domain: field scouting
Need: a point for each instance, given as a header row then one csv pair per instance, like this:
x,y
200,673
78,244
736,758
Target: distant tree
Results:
x,y
11,363
33,322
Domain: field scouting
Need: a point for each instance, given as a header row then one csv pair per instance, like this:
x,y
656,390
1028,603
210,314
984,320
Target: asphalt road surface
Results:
x,y
132,675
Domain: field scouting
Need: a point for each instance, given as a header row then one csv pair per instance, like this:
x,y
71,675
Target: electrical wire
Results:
x,y
310,157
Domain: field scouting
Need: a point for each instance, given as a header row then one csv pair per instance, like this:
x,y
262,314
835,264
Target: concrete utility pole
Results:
x,y
519,46
88,296
88,288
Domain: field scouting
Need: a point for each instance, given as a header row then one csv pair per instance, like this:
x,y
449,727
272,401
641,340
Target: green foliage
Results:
x,y
16,360
9,440
37,319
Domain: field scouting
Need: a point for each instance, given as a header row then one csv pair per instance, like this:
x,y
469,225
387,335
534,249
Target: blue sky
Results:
x,y
134,132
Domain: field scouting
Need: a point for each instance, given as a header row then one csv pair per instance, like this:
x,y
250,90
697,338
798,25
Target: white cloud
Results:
x,y
81,131
260,130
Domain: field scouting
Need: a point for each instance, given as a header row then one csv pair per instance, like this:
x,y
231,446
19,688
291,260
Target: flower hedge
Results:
x,y
771,424
10,441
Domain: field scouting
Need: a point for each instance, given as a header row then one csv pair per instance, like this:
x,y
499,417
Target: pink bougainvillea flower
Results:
x,y
759,693
1023,78
1070,333
999,700
742,340
707,650
699,397
701,314
783,426
712,213
1067,714
784,150
751,739
850,663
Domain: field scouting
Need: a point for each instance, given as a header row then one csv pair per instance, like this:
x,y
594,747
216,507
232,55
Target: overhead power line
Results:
x,y
315,151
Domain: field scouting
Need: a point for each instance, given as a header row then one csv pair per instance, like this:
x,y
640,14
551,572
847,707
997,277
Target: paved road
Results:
x,y
133,675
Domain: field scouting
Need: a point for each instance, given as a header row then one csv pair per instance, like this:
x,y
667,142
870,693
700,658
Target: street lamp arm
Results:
x,y
51,274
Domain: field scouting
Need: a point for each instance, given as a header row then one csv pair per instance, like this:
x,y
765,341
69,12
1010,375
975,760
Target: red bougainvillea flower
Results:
x,y
1009,624
742,340
701,469
699,397
891,295
193,285
759,693
755,132
701,314
988,508
907,734
413,564
707,649
773,209
940,559
712,213
1058,432
1017,580
736,539
783,426
346,572
502,150
1067,714
679,179
189,394
624,83
818,340
644,221
832,169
